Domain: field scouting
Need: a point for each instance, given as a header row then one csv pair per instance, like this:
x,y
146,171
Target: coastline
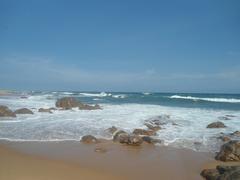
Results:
x,y
24,160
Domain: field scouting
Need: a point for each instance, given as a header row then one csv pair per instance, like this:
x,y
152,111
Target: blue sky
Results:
x,y
127,45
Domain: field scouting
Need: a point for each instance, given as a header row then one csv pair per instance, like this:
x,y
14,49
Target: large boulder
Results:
x,y
67,103
217,124
144,132
6,112
89,139
229,151
222,173
23,111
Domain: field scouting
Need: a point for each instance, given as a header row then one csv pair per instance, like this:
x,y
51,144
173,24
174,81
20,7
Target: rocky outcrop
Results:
x,y
229,151
23,111
125,138
71,102
89,139
47,110
222,173
144,132
217,124
6,112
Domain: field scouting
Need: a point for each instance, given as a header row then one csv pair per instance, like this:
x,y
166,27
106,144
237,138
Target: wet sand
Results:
x,y
73,160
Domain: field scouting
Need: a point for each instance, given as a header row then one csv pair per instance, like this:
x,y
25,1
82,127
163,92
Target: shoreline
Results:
x,y
118,162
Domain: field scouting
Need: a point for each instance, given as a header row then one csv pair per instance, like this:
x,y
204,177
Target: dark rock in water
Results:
x,y
23,111
44,110
135,140
236,133
151,140
225,138
89,139
68,103
88,107
229,115
6,112
144,132
229,151
222,173
111,130
152,126
217,124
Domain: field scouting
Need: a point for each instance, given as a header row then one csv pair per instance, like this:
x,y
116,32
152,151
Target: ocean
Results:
x,y
189,114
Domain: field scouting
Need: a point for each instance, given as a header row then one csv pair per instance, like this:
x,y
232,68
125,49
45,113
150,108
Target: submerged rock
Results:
x,y
225,138
144,132
153,127
89,139
6,112
217,124
224,118
47,110
23,111
229,151
151,140
222,173
88,107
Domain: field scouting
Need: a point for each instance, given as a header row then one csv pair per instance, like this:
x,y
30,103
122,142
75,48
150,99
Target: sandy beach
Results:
x,y
74,160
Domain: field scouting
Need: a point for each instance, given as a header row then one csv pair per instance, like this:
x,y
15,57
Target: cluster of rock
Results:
x,y
230,151
222,173
70,102
63,103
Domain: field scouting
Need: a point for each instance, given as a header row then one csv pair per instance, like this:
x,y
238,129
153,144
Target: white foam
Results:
x,y
102,94
119,96
230,100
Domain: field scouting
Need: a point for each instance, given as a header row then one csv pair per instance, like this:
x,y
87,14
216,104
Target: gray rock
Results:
x,y
89,139
229,151
47,110
67,103
23,111
144,132
6,112
217,124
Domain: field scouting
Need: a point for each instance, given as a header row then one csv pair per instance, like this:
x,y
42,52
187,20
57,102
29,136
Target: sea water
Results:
x,y
186,128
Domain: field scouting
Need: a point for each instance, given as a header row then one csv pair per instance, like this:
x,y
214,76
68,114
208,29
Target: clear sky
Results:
x,y
120,45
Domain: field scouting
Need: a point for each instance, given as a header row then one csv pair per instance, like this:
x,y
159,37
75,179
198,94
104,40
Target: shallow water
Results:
x,y
127,111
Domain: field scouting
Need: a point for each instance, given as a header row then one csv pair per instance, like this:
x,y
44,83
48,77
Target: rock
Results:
x,y
89,139
67,103
229,115
144,132
111,130
217,124
23,111
229,151
135,140
120,136
152,126
6,112
225,138
100,150
151,140
236,133
222,173
224,118
44,110
210,174
88,107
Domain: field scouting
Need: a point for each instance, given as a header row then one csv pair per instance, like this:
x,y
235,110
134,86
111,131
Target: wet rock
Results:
x,y
229,115
88,107
225,138
210,174
236,133
144,132
229,151
151,140
121,136
23,111
135,140
67,103
217,124
89,139
6,112
111,130
153,127
47,110
222,173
